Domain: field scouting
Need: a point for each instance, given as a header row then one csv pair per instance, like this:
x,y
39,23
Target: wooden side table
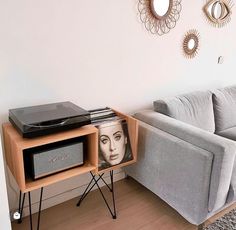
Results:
x,y
14,152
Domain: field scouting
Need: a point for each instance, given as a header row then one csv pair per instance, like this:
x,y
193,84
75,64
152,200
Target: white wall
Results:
x,y
97,53
4,214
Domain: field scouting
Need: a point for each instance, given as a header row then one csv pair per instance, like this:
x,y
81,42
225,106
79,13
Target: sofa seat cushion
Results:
x,y
195,109
228,133
224,104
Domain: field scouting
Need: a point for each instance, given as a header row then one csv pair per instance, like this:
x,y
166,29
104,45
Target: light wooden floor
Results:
x,y
137,209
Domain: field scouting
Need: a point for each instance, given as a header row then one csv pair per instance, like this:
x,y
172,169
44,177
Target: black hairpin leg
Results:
x,y
31,224
95,182
106,183
113,214
21,206
113,195
40,205
19,202
87,190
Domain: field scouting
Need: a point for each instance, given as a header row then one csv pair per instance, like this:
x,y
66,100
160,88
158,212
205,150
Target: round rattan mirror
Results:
x,y
191,43
159,16
160,8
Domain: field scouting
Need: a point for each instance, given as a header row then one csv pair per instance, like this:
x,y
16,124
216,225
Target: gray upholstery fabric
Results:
x,y
163,161
231,134
224,103
228,133
231,195
222,150
195,108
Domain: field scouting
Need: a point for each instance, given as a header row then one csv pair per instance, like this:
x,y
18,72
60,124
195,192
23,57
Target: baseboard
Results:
x,y
51,198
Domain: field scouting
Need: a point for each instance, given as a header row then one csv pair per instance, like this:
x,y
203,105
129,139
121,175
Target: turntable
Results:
x,y
50,118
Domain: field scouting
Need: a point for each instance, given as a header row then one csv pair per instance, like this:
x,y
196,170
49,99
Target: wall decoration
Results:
x,y
159,16
191,43
218,12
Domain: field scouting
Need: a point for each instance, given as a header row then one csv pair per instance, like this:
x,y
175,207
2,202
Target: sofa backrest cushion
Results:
x,y
195,109
224,104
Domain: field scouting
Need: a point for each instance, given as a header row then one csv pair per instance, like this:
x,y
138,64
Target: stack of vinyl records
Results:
x,y
102,115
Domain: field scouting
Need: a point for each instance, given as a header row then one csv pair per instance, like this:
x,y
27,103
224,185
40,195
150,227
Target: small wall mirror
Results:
x,y
191,43
218,12
160,7
159,16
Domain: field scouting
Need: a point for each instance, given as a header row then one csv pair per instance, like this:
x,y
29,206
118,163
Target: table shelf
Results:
x,y
31,184
15,146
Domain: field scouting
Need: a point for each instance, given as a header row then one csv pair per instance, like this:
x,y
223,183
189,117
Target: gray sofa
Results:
x,y
186,152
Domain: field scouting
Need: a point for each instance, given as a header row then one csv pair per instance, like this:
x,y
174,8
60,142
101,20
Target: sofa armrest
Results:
x,y
222,149
177,171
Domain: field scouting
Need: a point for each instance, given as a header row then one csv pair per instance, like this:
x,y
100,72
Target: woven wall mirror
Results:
x,y
191,43
159,16
218,12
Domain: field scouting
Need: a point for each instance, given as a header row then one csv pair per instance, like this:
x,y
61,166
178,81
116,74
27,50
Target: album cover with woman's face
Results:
x,y
114,144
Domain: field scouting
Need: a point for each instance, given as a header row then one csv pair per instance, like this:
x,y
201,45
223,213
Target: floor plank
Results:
x,y
137,209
